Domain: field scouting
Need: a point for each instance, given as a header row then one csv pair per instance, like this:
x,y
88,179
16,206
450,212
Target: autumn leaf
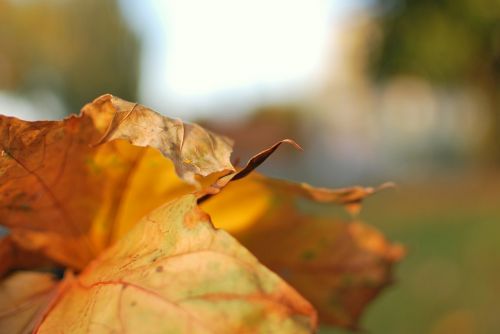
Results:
x,y
338,266
73,193
193,150
175,273
68,198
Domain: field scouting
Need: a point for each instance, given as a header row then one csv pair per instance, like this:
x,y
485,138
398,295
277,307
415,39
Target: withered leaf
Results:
x,y
173,272
70,189
65,197
251,165
338,266
14,257
193,150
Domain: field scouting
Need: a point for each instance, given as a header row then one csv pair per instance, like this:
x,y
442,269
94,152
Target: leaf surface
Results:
x,y
174,273
338,266
15,258
64,196
193,150
23,297
70,189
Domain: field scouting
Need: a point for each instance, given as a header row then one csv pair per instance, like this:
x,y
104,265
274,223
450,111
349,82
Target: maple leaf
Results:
x,y
339,266
192,149
62,195
73,192
175,273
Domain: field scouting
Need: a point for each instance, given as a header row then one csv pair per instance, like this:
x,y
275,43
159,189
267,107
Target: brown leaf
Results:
x,y
251,165
349,197
193,150
338,266
68,199
15,258
173,272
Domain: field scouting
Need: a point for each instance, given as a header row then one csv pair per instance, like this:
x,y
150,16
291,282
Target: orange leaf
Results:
x,y
15,258
71,189
67,198
340,267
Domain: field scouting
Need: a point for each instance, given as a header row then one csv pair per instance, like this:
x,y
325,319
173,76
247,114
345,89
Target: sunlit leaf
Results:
x,y
74,192
193,150
175,273
68,198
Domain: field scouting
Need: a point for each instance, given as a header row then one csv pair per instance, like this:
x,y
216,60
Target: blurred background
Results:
x,y
374,90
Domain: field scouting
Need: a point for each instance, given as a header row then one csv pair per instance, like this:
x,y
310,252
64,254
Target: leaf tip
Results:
x,y
293,143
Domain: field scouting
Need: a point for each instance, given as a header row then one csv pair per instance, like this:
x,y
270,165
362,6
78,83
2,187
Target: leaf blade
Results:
x,y
176,260
338,266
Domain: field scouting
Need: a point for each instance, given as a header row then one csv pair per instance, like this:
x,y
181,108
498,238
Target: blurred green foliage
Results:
x,y
452,43
75,49
450,279
447,41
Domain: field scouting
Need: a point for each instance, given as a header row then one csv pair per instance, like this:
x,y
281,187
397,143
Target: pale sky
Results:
x,y
200,54
220,57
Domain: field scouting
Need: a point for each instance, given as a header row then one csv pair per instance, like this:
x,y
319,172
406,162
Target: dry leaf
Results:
x,y
340,267
70,189
174,273
65,197
193,150
14,257
251,165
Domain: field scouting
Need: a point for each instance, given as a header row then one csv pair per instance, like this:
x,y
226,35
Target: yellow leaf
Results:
x,y
174,273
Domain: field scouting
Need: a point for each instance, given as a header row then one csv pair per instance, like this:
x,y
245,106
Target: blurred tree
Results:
x,y
76,49
449,42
